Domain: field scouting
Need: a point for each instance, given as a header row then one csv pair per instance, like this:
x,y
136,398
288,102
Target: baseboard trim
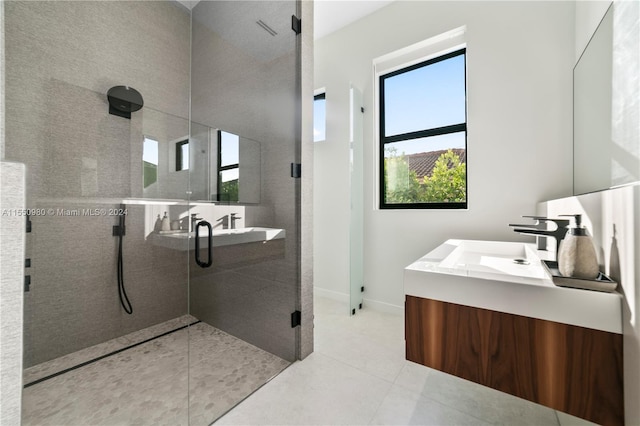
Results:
x,y
367,303
383,307
330,294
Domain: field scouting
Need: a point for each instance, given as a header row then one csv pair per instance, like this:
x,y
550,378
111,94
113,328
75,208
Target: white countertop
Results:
x,y
531,297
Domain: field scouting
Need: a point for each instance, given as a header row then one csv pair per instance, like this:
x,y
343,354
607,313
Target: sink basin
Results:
x,y
482,274
495,258
221,237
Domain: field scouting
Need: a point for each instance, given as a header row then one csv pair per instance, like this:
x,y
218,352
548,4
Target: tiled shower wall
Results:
x,y
11,285
61,58
11,267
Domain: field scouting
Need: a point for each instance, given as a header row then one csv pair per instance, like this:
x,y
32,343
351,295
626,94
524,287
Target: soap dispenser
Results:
x,y
158,225
577,255
166,224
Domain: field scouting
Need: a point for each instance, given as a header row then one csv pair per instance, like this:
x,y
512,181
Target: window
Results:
x,y
319,117
423,135
182,155
228,166
149,161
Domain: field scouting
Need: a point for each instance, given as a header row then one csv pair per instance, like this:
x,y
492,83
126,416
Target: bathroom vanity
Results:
x,y
489,312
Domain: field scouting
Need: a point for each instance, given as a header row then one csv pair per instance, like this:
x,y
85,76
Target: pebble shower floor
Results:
x,y
187,377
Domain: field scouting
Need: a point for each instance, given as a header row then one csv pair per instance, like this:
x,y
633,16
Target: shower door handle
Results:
x,y
209,242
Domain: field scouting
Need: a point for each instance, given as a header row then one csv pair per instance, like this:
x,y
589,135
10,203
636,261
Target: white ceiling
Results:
x,y
331,15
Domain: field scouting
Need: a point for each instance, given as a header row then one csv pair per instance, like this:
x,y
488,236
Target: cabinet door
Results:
x,y
572,369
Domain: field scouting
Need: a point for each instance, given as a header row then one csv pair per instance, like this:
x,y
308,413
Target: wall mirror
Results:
x,y
226,167
220,166
164,143
606,149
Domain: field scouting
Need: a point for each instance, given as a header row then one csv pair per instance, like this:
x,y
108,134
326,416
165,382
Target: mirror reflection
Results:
x,y
606,132
221,166
228,166
182,155
149,161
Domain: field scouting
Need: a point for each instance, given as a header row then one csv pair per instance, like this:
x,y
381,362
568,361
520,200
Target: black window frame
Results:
x,y
222,168
179,155
321,96
437,131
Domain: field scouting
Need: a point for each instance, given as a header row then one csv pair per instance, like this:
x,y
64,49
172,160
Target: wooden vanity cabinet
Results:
x,y
572,369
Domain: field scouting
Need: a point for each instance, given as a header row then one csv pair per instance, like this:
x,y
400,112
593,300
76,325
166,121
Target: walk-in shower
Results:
x,y
159,325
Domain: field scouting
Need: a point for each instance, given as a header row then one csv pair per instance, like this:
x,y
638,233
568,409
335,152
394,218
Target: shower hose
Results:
x,y
124,300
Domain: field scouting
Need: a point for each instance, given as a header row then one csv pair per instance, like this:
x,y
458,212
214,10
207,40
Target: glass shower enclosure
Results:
x,y
162,243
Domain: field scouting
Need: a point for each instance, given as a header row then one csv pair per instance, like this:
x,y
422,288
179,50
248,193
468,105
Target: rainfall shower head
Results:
x,y
123,100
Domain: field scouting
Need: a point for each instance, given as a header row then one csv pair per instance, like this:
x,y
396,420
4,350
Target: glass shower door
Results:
x,y
356,219
244,112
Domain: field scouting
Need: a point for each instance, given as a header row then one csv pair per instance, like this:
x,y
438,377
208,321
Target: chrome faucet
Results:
x,y
224,220
194,219
232,220
540,229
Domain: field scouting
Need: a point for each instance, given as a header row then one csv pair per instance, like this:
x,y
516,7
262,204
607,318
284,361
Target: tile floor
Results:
x,y
59,364
358,375
188,377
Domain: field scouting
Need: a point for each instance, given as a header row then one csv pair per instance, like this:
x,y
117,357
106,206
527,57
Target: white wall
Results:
x,y
613,218
613,215
520,57
588,17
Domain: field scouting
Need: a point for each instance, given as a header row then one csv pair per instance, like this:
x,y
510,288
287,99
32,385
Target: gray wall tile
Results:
x,y
61,58
11,290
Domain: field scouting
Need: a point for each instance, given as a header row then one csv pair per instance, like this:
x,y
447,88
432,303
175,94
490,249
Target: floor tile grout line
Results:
x,y
101,357
469,413
375,412
354,366
425,398
393,383
250,394
422,397
372,341
390,384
